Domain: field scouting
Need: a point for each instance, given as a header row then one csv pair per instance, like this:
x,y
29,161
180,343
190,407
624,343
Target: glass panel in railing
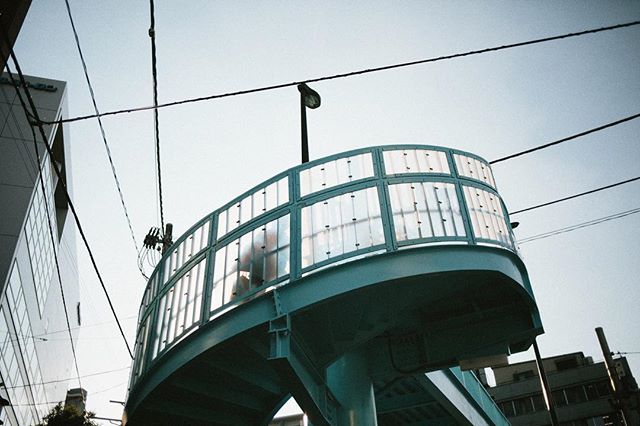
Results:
x,y
258,257
182,305
487,217
162,309
425,210
341,224
164,316
149,294
335,172
253,205
473,168
192,284
246,209
141,347
187,249
415,161
167,318
218,278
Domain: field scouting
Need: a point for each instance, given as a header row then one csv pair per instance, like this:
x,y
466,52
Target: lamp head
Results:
x,y
311,97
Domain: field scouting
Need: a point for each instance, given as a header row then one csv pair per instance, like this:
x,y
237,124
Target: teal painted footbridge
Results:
x,y
340,282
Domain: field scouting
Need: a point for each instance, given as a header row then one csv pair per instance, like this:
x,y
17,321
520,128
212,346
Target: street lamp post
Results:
x,y
546,388
309,98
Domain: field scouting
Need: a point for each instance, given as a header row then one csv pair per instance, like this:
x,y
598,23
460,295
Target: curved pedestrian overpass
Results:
x,y
337,282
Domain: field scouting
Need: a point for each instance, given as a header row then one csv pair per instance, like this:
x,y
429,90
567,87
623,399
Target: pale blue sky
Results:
x,y
492,105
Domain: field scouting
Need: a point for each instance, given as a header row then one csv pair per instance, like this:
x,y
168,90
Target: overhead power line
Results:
x,y
102,131
41,336
602,188
154,73
35,114
579,226
98,373
349,74
568,138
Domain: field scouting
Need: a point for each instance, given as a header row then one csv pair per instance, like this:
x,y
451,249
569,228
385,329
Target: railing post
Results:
x,y
209,269
383,197
295,223
464,208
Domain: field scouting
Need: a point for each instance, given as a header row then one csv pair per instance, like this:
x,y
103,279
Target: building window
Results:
x,y
523,406
23,338
603,388
538,402
14,383
559,399
575,394
38,232
566,364
507,408
523,375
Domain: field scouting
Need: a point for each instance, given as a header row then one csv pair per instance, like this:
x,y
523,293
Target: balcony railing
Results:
x,y
326,212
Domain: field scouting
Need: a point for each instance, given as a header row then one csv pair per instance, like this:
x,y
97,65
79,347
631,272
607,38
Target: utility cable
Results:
x,y
349,74
98,373
66,192
568,138
579,226
41,337
602,188
100,125
154,72
41,161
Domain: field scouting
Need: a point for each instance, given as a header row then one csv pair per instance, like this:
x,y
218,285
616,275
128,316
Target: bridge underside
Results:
x,y
342,340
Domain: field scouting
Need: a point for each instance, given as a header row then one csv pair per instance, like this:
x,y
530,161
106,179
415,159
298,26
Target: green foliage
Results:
x,y
67,416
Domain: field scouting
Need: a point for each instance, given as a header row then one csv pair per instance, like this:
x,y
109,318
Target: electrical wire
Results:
x,y
40,164
66,193
579,226
97,373
100,125
568,138
36,404
602,188
93,393
348,74
154,72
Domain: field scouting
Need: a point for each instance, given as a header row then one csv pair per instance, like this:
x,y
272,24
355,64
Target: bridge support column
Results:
x,y
349,382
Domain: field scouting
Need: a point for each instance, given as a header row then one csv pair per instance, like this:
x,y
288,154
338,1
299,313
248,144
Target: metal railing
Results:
x,y
332,210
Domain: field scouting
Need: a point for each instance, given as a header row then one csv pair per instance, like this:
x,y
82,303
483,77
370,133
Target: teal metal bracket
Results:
x,y
307,382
